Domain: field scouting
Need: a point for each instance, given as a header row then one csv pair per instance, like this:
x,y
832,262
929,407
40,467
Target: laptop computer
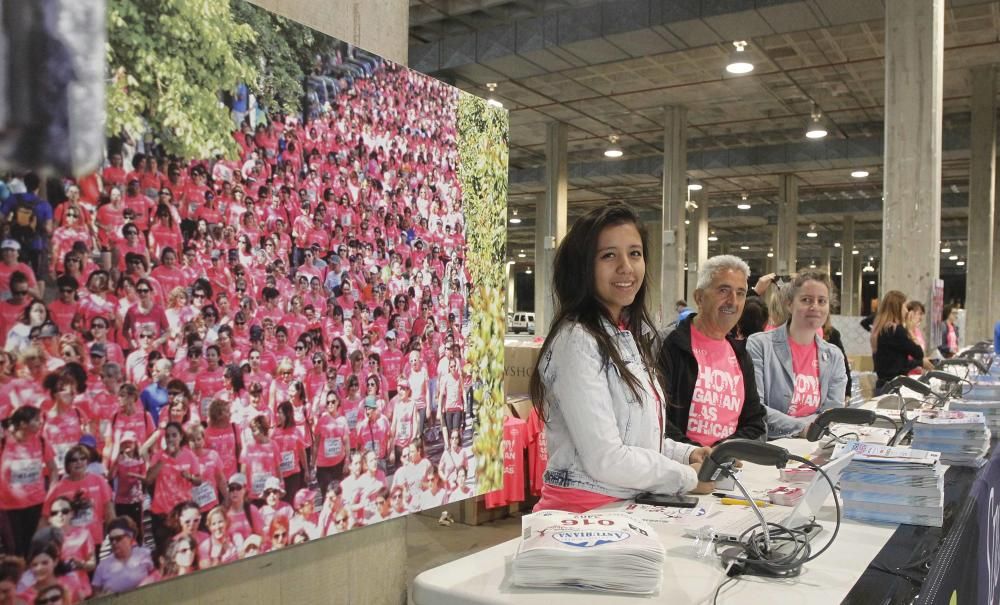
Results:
x,y
728,523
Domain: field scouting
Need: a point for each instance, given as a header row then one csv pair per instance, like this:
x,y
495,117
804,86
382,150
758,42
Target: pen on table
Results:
x,y
742,502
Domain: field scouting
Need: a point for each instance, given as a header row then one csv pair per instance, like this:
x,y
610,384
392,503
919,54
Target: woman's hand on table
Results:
x,y
703,487
699,454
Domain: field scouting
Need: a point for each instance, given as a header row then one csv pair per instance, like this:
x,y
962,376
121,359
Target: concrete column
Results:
x,y
911,213
698,241
995,279
674,199
824,261
511,290
772,262
857,262
788,224
848,292
661,313
982,177
550,224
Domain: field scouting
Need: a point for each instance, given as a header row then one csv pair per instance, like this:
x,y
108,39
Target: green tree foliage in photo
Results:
x,y
483,154
169,60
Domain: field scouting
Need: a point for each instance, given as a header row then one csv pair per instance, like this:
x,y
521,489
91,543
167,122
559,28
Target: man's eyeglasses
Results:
x,y
142,290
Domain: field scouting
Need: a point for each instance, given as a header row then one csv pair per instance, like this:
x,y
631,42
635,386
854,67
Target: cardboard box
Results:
x,y
861,363
519,406
519,363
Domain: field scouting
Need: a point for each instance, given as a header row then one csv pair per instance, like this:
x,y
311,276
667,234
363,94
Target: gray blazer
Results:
x,y
772,366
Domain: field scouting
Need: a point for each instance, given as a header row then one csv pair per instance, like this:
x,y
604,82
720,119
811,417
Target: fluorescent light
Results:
x,y
743,206
855,252
953,257
494,103
960,263
521,254
815,128
614,151
839,273
836,244
744,247
528,271
515,221
694,186
739,62
871,282
859,174
712,237
770,254
687,221
945,250
812,234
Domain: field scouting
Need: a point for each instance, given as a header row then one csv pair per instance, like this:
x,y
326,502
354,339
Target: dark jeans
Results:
x,y
23,523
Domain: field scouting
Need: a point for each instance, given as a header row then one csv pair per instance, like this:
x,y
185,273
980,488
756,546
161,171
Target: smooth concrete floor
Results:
x,y
429,545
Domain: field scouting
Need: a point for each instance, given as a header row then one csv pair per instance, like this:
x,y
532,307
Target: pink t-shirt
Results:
x,y
262,461
952,338
570,499
718,392
96,491
171,487
332,433
805,364
225,441
22,472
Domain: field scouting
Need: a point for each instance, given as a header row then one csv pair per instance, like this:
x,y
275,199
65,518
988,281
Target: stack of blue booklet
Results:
x,y
960,436
892,484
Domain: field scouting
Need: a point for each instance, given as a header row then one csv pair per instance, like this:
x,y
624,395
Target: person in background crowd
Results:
x,y
25,460
129,563
913,320
706,374
949,332
893,351
798,373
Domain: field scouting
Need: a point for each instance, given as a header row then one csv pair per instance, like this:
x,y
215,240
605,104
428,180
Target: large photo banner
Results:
x,y
273,313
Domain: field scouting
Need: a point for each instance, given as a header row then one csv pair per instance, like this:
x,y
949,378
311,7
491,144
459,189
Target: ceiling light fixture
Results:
x,y
514,220
614,151
960,263
694,185
492,102
744,247
871,282
953,257
521,254
812,231
528,271
855,251
868,268
687,221
815,128
770,253
839,273
836,244
744,204
739,60
712,237
946,248
812,265
860,174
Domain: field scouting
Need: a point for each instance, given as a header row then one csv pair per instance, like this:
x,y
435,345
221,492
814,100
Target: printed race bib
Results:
x,y
205,402
258,481
332,447
25,472
204,494
352,418
371,446
287,462
404,430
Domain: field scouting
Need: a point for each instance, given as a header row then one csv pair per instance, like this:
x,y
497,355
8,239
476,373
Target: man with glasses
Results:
x,y
128,565
9,263
11,308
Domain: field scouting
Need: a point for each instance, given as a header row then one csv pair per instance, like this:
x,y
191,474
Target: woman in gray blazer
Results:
x,y
798,373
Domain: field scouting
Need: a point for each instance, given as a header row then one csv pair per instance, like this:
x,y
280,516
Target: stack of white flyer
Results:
x,y
608,551
989,409
961,437
892,484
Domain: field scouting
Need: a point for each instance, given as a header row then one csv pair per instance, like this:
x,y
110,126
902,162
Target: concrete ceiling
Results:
x,y
607,67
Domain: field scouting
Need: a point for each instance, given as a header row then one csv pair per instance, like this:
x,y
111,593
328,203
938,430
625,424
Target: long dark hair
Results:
x,y
576,297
